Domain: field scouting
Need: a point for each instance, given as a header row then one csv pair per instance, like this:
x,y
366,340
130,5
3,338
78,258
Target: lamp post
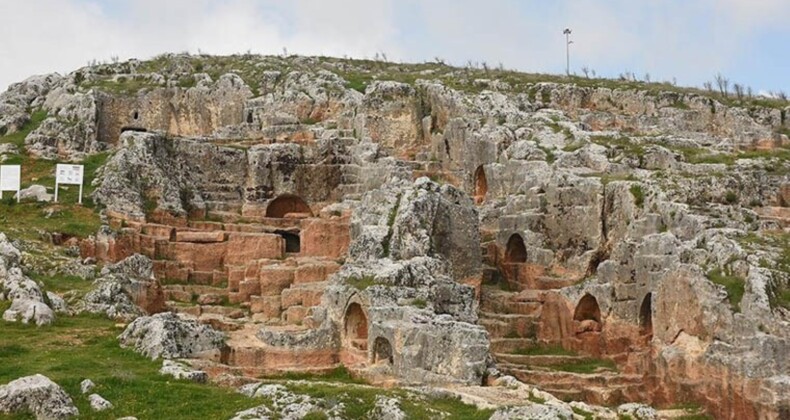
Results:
x,y
568,43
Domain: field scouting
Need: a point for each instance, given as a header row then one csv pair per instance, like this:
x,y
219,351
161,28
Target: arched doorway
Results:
x,y
356,326
587,309
481,185
646,315
382,350
284,205
515,252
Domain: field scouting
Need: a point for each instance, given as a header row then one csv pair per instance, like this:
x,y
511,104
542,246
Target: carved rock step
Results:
x,y
603,388
542,375
254,358
195,293
547,360
510,345
509,325
499,301
200,310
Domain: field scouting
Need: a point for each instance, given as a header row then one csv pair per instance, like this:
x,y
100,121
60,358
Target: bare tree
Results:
x,y
739,89
593,73
674,81
749,92
586,71
708,86
723,84
647,77
115,59
782,95
485,66
439,60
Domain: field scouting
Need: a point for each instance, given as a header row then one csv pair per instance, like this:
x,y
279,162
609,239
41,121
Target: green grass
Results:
x,y
536,400
544,350
628,146
735,287
18,138
639,195
60,283
67,217
390,223
419,303
587,365
584,414
361,283
73,349
337,375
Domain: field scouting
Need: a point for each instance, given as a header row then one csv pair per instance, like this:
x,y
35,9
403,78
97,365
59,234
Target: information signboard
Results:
x,y
10,179
70,175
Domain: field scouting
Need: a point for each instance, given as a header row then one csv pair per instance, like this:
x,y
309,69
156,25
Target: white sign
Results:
x,y
10,179
68,174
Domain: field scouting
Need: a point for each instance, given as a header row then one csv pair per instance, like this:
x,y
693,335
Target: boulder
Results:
x,y
35,193
168,336
98,403
182,371
87,386
533,412
38,395
386,409
125,290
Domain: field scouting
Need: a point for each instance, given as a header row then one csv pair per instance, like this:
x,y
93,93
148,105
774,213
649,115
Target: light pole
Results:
x,y
568,43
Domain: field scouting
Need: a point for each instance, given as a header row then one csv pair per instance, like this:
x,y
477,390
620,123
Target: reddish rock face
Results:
x,y
326,237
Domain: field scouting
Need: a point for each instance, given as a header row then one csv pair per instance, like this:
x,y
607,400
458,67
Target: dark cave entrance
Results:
x,y
382,351
293,243
646,315
587,309
515,252
481,185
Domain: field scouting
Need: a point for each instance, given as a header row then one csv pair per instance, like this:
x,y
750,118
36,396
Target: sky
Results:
x,y
690,41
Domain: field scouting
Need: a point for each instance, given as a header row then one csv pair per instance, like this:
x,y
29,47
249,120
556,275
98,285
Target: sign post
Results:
x,y
68,174
10,179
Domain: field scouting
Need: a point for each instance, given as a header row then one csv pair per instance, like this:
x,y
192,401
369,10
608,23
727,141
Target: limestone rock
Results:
x,y
533,412
98,403
87,386
168,336
36,193
386,409
36,394
125,290
637,411
28,303
29,311
182,371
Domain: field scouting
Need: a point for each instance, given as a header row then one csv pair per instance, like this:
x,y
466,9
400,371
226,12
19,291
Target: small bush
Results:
x,y
731,197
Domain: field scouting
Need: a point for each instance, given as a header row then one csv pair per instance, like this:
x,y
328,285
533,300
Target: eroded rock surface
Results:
x,y
169,336
38,395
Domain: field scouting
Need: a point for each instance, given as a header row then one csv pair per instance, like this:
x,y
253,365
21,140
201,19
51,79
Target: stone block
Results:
x,y
273,280
325,237
269,306
245,247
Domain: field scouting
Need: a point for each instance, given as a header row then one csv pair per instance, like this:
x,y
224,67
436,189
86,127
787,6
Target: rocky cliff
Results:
x,y
441,225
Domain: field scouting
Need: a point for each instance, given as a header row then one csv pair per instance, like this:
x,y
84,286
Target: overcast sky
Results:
x,y
690,40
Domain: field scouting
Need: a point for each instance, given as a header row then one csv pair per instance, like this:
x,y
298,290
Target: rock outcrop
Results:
x,y
444,228
38,395
125,290
168,336
28,303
